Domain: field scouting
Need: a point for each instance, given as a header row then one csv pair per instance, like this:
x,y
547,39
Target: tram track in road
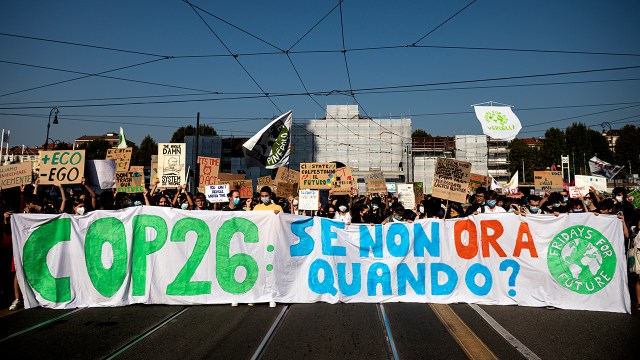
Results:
x,y
272,331
40,325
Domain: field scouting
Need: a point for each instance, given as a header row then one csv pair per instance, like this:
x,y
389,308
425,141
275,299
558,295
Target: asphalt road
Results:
x,y
319,331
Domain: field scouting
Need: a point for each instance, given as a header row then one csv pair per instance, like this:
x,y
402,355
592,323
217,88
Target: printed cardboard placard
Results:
x,y
476,181
598,182
451,180
209,169
222,177
375,182
125,182
154,169
216,193
172,164
547,180
244,186
285,174
317,175
286,189
343,181
15,175
61,167
264,181
308,199
122,157
406,196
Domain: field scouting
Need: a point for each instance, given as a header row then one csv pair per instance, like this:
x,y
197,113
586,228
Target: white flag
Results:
x,y
512,186
498,122
494,184
123,142
603,168
271,146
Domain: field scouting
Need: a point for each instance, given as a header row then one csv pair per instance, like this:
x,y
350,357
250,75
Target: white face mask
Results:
x,y
421,209
342,208
184,206
619,199
295,202
80,210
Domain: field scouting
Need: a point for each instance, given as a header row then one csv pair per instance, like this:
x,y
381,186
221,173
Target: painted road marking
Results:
x,y
467,339
525,351
387,331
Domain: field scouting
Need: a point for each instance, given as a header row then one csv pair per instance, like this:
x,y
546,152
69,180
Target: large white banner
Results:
x,y
155,255
498,122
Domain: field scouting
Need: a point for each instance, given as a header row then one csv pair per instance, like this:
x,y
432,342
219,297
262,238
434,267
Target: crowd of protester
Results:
x,y
354,208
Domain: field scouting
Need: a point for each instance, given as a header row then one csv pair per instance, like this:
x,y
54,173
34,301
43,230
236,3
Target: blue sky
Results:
x,y
172,28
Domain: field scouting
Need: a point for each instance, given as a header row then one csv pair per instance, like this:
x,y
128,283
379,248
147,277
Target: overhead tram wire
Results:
x,y
235,57
314,26
444,22
323,93
85,75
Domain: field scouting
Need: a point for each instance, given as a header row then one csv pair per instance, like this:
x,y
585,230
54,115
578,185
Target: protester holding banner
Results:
x,y
234,201
478,201
200,202
343,214
266,202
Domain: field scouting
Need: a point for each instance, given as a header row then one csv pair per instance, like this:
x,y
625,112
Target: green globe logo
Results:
x,y
496,117
581,259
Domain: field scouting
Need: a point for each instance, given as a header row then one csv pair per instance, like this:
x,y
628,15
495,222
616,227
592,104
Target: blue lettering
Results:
x,y
470,279
405,276
367,244
452,279
326,285
373,279
356,282
421,241
306,244
327,235
402,249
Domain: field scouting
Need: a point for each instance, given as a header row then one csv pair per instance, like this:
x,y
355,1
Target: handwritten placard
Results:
x,y
209,169
15,175
451,180
122,157
375,182
547,180
61,167
317,175
216,193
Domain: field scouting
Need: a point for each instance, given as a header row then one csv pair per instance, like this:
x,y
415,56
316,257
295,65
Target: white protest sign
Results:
x,y
101,173
578,191
171,164
598,182
406,196
216,193
308,199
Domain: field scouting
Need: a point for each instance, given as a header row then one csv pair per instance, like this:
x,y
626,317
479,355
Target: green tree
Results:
x,y
148,147
96,149
553,148
135,153
520,152
418,133
190,130
627,151
584,143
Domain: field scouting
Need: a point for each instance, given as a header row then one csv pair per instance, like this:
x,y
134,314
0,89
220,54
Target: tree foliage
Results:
x,y
190,130
418,133
553,148
519,153
627,150
96,149
148,147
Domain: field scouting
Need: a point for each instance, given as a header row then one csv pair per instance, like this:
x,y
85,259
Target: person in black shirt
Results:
x,y
234,201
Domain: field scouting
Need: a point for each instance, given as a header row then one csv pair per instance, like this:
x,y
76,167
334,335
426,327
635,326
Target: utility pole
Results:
x,y
196,176
523,179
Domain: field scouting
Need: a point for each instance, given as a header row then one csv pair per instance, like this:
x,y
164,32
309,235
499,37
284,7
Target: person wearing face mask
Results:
x,y
492,203
478,203
343,214
376,214
396,216
265,201
234,201
552,204
577,206
621,203
532,207
78,208
294,206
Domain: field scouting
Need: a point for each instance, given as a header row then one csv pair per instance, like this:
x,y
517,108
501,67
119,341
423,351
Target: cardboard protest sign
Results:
x,y
451,180
343,181
209,169
598,182
578,191
317,175
476,181
308,199
375,182
264,181
172,164
216,193
391,187
406,196
285,174
154,168
418,190
244,186
230,177
138,175
61,167
286,189
101,173
125,182
122,157
15,175
547,180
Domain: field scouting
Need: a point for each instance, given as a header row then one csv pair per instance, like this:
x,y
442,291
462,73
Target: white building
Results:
x,y
362,143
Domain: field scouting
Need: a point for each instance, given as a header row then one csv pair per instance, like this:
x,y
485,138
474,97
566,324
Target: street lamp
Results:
x,y
55,121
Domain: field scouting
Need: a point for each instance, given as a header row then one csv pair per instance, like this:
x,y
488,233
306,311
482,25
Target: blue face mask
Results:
x,y
137,203
578,211
265,200
534,209
236,201
565,199
556,205
491,203
398,218
586,203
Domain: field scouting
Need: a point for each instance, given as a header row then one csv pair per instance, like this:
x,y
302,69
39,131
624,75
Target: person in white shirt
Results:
x,y
491,203
343,214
